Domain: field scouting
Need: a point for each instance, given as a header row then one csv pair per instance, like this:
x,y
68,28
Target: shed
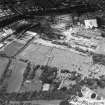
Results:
x,y
46,87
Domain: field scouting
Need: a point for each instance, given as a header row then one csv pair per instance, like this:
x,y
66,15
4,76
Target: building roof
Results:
x,y
29,5
46,87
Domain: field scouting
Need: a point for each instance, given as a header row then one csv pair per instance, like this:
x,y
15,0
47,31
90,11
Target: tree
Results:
x,y
26,73
64,102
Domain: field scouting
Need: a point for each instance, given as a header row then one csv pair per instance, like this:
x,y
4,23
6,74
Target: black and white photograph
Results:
x,y
52,52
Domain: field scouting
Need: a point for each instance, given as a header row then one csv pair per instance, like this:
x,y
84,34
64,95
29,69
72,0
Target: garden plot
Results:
x,y
34,85
14,82
3,65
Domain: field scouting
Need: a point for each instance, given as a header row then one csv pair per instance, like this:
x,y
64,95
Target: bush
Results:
x,y
101,83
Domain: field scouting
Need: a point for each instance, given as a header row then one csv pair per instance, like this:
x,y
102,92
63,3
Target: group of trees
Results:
x,y
64,102
48,74
30,71
99,59
93,83
61,43
101,81
26,72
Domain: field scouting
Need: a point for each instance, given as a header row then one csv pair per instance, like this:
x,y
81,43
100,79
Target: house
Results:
x,y
90,23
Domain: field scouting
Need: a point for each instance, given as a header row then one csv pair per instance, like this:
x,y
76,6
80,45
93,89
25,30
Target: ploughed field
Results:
x,y
16,78
3,65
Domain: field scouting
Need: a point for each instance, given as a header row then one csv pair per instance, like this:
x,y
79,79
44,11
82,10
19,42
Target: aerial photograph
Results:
x,y
52,52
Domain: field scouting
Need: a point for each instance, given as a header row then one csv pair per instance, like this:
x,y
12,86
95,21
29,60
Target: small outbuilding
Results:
x,y
46,87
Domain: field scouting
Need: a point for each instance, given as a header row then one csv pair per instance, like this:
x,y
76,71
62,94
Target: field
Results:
x,y
13,48
38,102
3,64
37,54
61,58
14,82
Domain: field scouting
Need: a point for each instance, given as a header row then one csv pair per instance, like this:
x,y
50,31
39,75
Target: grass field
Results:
x,y
61,58
13,48
14,82
38,102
